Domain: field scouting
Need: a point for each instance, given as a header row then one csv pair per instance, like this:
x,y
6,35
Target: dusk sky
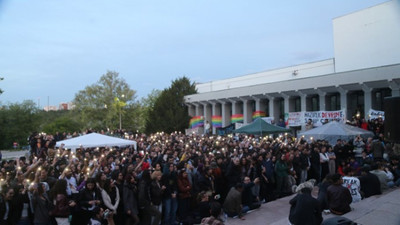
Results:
x,y
52,49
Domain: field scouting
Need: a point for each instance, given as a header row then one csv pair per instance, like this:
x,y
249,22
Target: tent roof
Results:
x,y
94,140
336,130
260,127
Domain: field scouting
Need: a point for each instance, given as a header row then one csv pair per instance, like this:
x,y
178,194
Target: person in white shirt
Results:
x,y
353,184
71,181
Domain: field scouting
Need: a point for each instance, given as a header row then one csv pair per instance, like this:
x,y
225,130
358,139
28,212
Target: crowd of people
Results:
x,y
189,179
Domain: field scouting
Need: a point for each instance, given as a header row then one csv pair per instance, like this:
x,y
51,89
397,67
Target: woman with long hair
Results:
x,y
130,202
150,213
59,197
184,195
7,195
281,170
110,195
89,198
157,190
41,205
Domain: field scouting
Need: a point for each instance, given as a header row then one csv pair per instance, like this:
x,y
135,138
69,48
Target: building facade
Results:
x,y
365,69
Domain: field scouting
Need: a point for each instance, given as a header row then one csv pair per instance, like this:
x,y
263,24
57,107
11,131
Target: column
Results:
x,y
303,107
343,100
216,111
367,100
191,110
322,100
395,88
272,107
207,112
226,116
247,112
286,103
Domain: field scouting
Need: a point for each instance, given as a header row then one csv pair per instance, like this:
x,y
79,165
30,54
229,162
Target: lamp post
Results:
x,y
120,112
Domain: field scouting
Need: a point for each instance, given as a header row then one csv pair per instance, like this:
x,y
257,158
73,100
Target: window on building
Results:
x,y
297,104
380,95
281,103
334,102
267,107
315,103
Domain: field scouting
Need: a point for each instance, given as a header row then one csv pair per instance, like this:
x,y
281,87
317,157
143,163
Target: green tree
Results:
x,y
62,124
17,122
101,104
169,112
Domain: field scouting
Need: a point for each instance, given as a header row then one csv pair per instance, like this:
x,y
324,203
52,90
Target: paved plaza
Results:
x,y
375,210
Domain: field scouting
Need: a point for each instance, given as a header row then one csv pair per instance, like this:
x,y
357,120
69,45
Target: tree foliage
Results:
x,y
101,104
169,112
17,122
62,124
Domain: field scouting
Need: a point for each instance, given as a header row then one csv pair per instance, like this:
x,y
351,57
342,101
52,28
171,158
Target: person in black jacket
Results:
x,y
170,201
369,183
130,192
305,209
6,206
156,190
89,198
147,210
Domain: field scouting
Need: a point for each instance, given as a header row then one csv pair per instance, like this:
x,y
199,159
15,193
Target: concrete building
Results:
x,y
364,70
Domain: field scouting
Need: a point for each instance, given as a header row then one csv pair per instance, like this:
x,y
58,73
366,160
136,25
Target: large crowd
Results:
x,y
190,179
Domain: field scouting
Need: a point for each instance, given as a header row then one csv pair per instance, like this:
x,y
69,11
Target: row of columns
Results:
x,y
228,107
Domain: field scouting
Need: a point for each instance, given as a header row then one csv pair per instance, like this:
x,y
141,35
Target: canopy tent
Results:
x,y
335,130
95,140
260,127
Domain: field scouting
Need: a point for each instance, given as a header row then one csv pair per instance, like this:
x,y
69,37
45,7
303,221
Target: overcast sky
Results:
x,y
49,50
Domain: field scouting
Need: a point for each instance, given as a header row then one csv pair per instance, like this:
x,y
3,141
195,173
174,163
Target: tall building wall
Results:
x,y
368,38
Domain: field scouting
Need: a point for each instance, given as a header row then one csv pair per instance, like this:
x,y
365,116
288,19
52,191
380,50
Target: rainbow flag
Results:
x,y
216,121
237,118
196,121
258,114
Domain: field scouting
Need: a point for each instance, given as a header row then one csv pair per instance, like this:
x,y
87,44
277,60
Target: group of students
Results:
x,y
337,192
169,179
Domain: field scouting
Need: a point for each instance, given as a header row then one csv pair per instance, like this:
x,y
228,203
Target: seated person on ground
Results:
x,y
339,197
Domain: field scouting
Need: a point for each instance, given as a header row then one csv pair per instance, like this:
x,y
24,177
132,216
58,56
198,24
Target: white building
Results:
x,y
364,70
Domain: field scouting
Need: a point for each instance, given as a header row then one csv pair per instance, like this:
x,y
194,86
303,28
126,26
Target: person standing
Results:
x,y
130,203
207,127
184,195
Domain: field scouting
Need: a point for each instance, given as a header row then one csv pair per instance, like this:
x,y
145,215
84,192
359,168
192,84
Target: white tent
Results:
x,y
335,130
95,140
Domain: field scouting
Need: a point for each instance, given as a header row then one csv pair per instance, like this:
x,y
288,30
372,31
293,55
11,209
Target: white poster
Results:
x,y
375,114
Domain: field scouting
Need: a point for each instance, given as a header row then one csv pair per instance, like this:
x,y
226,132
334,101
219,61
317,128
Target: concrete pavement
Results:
x,y
376,210
13,154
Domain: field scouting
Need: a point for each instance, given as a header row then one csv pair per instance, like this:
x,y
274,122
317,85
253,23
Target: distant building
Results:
x,y
61,106
50,108
66,106
365,69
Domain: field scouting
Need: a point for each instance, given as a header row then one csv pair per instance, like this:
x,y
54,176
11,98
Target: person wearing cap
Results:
x,y
305,209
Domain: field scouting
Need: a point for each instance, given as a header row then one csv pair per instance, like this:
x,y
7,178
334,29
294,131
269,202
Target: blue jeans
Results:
x,y
170,207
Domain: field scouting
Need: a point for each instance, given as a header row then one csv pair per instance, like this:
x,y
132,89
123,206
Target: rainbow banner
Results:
x,y
237,118
216,121
258,114
196,121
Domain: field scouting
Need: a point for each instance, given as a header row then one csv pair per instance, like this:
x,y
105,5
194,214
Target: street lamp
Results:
x,y
120,112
